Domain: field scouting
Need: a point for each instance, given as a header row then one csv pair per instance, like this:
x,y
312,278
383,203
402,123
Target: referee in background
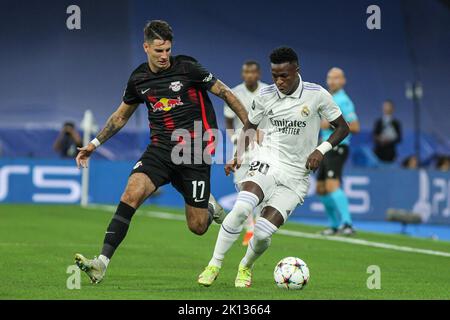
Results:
x,y
330,171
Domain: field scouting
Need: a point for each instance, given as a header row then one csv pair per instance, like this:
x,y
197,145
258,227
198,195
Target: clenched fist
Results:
x,y
314,160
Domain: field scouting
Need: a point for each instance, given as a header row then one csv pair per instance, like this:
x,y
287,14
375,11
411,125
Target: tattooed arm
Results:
x,y
115,122
221,90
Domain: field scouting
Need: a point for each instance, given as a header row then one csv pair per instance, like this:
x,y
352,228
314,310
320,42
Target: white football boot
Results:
x,y
95,268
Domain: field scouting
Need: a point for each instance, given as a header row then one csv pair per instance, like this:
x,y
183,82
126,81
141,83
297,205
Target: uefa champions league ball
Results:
x,y
291,273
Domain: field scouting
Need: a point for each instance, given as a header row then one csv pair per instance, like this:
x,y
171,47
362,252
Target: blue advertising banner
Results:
x,y
371,191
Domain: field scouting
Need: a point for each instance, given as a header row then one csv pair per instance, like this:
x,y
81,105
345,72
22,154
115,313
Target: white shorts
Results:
x,y
284,200
240,173
276,195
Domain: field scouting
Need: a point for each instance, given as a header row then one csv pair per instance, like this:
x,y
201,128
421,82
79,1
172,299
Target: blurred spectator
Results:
x,y
387,134
443,163
410,163
67,141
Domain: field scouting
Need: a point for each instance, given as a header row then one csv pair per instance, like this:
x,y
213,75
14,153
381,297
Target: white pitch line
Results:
x,y
362,242
163,215
151,214
298,234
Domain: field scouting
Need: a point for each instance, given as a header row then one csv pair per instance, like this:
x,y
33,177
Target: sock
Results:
x,y
260,241
341,204
330,210
250,223
212,202
232,225
117,229
104,259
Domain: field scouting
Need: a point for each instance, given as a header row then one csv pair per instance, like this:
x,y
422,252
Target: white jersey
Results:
x,y
246,97
291,125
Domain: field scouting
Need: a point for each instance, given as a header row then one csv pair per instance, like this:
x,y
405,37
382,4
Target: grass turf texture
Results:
x,y
161,259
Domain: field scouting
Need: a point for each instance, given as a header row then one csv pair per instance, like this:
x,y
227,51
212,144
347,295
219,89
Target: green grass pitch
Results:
x,y
161,259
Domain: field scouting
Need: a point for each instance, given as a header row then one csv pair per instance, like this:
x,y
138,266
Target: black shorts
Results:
x,y
333,163
191,180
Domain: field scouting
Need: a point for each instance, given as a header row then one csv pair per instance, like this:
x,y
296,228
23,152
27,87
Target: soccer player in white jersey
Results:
x,y
278,177
246,92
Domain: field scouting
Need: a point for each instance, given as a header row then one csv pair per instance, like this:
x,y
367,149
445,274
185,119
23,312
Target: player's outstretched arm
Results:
x,y
221,90
341,130
115,122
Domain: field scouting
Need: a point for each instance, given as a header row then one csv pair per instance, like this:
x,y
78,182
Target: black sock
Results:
x,y
117,228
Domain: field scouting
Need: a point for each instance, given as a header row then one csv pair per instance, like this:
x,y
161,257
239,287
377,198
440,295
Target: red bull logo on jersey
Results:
x,y
166,104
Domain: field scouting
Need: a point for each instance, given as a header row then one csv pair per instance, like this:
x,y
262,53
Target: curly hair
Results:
x,y
282,55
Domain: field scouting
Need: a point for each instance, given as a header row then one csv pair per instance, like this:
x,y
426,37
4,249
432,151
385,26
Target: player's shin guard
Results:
x,y
341,205
117,229
232,225
262,237
329,205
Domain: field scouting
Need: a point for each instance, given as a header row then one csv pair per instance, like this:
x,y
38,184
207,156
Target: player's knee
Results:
x,y
198,227
331,185
242,208
133,199
264,230
197,222
239,214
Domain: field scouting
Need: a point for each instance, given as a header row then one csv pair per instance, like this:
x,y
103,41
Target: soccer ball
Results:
x,y
291,273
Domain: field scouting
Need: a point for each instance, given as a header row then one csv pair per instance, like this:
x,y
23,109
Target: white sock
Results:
x,y
232,225
225,240
260,241
104,259
250,223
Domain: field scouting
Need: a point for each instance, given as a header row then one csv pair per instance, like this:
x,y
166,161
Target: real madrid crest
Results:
x,y
305,111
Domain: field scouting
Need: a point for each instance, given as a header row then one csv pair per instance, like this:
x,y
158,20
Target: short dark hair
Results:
x,y
282,55
157,29
441,159
252,63
69,124
389,101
